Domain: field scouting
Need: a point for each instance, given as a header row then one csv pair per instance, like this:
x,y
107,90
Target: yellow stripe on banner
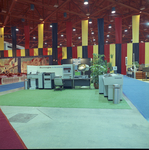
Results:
x,y
112,54
64,52
2,38
40,35
22,52
84,32
35,51
9,53
95,49
146,53
135,28
49,51
79,51
129,53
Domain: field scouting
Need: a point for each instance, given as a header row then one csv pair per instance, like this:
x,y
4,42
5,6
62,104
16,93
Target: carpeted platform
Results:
x,y
9,138
11,86
68,98
138,93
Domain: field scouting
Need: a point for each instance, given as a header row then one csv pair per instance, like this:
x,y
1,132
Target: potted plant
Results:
x,y
99,66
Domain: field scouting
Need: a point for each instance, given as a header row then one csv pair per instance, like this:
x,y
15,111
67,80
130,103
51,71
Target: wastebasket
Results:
x,y
116,93
25,84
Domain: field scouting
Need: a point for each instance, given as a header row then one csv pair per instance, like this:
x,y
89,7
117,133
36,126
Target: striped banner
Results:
x,y
90,51
27,36
64,52
2,38
69,33
135,28
147,53
49,51
40,35
123,55
141,53
84,52
107,52
84,32
5,53
95,49
74,52
31,52
9,53
45,51
118,30
35,51
129,53
22,52
18,51
112,54
79,51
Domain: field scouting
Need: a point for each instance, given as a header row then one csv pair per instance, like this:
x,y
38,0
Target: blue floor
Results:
x,y
138,93
11,86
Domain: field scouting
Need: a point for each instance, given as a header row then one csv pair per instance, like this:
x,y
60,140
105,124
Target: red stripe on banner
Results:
x,y
5,53
31,52
18,52
90,51
27,37
123,55
74,52
59,55
45,51
118,30
141,53
107,52
69,33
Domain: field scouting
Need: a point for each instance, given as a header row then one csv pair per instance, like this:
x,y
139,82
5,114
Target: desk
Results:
x,y
81,82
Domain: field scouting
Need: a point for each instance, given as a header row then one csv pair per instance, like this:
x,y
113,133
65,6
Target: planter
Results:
x,y
96,85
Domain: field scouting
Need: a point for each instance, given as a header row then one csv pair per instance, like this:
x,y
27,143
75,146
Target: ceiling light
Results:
x,y
113,10
32,6
4,11
17,29
88,14
79,37
34,37
74,29
106,41
45,43
65,14
142,8
110,26
50,25
92,32
60,44
125,30
62,35
147,23
90,21
142,41
56,5
85,2
108,35
93,39
41,19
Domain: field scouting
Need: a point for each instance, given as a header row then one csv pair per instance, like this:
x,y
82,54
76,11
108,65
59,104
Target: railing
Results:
x,y
7,80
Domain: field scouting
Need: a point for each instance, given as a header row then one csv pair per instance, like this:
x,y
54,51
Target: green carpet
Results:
x,y
68,98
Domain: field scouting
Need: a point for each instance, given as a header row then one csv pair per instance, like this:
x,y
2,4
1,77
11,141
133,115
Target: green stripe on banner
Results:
x,y
26,52
84,51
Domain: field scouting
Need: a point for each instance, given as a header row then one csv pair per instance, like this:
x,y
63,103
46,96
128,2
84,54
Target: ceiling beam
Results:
x,y
10,9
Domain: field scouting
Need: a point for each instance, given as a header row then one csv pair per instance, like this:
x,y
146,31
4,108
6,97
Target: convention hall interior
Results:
x,y
74,74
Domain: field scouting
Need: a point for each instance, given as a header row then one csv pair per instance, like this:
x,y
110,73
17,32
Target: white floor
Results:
x,y
79,128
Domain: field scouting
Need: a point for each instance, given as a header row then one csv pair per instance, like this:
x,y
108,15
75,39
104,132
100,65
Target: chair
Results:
x,y
58,82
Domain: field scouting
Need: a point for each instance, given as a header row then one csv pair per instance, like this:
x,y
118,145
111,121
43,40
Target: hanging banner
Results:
x,y
146,53
84,32
2,38
69,52
79,51
118,30
123,56
64,52
40,35
107,52
90,51
135,28
118,58
141,53
59,55
74,52
69,33
95,49
112,54
129,53
27,36
14,42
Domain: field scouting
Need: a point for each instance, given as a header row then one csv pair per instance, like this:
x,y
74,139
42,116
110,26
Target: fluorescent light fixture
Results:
x,y
113,10
74,29
85,2
90,21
